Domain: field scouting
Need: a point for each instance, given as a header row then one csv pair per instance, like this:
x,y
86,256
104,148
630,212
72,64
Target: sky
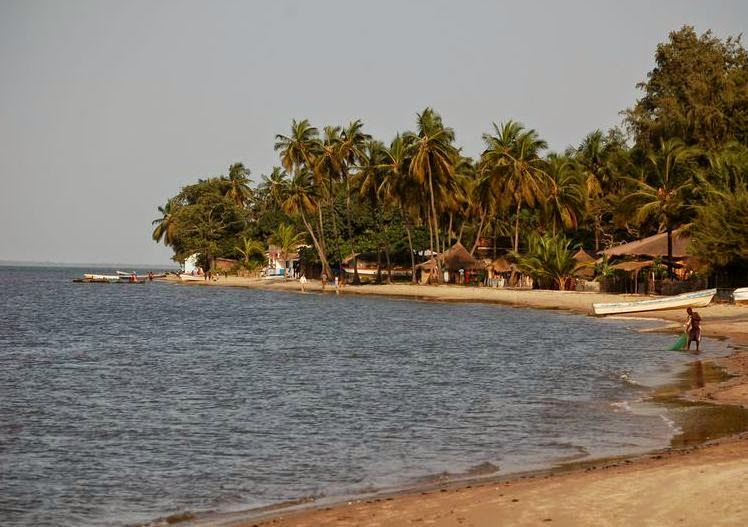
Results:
x,y
108,108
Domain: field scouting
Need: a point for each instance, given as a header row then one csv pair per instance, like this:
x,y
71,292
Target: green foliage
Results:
x,y
720,229
548,260
696,92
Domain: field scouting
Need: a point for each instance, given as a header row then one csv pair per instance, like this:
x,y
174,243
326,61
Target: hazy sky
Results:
x,y
107,108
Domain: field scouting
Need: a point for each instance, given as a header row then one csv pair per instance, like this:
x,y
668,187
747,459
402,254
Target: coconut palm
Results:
x,y
301,199
549,260
663,195
249,248
286,239
165,225
239,191
512,161
350,151
432,165
566,200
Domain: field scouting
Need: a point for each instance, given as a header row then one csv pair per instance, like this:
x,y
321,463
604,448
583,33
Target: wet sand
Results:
x,y
706,484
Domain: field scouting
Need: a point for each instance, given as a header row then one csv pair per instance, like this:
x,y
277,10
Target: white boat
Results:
x,y
740,295
185,277
101,277
694,299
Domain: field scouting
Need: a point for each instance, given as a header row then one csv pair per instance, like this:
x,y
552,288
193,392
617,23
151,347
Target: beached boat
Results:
x,y
740,295
185,277
273,273
694,299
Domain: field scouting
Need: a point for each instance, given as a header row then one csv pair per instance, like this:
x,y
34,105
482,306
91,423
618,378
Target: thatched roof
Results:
x,y
501,265
454,258
653,246
582,256
633,266
457,257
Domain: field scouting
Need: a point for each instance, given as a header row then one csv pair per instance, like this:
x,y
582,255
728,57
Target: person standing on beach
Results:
x,y
693,328
324,280
302,281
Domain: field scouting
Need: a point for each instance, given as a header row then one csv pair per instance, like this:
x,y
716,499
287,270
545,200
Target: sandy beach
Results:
x,y
704,484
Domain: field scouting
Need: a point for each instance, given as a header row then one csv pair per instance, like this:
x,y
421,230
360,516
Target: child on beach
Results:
x,y
693,328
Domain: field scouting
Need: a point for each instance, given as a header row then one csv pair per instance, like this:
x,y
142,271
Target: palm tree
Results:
x,y
250,247
512,160
549,259
350,150
432,165
301,199
239,190
399,187
567,197
664,195
165,225
299,151
286,239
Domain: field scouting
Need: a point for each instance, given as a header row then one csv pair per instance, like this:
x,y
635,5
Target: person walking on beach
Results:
x,y
693,328
324,280
302,281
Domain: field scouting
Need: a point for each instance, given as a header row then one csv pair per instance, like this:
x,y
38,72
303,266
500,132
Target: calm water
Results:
x,y
122,403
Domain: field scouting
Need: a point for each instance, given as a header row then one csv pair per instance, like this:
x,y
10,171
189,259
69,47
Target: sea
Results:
x,y
123,403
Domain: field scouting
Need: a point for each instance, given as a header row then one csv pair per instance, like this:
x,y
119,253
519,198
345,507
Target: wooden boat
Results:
x,y
185,277
740,295
694,299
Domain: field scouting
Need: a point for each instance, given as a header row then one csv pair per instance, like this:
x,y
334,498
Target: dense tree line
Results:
x,y
680,161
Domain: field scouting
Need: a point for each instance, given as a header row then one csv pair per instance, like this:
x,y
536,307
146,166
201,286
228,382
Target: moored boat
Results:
x,y
693,299
740,295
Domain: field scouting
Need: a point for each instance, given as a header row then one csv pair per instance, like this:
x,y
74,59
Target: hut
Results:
x,y
457,264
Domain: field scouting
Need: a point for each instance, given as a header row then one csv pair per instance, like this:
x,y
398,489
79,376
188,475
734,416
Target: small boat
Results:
x,y
694,299
740,295
186,277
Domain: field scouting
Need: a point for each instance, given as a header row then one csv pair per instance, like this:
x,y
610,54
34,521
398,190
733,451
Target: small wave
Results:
x,y
627,379
623,405
671,424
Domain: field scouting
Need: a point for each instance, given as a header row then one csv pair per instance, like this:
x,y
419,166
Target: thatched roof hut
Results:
x,y
585,265
457,257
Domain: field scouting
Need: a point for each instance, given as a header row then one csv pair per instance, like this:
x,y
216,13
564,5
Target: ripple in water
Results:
x,y
120,403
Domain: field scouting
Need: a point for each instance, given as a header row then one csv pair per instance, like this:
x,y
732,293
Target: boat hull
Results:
x,y
191,278
695,299
740,295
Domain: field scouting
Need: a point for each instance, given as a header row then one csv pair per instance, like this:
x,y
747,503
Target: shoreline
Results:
x,y
662,478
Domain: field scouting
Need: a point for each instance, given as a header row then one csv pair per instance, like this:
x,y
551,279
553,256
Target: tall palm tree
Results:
x,y
566,200
239,190
512,161
299,152
301,199
350,151
399,187
663,195
432,165
165,225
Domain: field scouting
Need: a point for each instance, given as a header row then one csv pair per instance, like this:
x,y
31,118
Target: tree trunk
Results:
x,y
516,227
439,277
670,252
320,252
478,234
410,246
356,278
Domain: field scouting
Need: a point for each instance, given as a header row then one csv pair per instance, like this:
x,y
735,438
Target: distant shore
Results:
x,y
700,485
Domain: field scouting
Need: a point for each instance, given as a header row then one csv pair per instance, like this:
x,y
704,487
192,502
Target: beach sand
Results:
x,y
699,485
